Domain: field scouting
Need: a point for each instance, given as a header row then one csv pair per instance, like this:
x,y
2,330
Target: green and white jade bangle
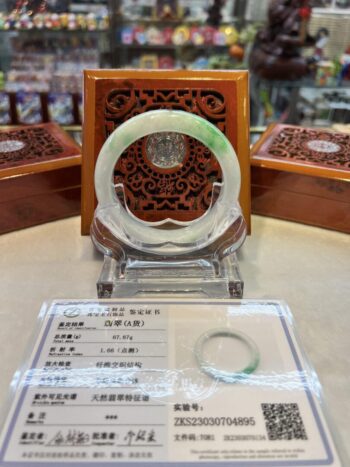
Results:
x,y
222,375
147,236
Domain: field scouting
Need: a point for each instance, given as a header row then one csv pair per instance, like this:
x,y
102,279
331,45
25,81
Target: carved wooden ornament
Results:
x,y
302,150
36,148
165,175
39,176
303,175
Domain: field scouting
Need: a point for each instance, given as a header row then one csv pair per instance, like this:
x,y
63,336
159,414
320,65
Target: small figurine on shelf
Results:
x,y
166,13
28,106
127,35
91,22
231,34
72,22
325,74
220,62
214,13
47,21
149,62
102,21
201,63
140,35
82,21
209,32
166,9
154,36
25,21
166,62
181,35
322,38
11,21
277,48
236,51
345,66
168,35
39,21
55,20
42,7
197,36
219,38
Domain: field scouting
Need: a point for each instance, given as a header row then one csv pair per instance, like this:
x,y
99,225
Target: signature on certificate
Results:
x,y
70,438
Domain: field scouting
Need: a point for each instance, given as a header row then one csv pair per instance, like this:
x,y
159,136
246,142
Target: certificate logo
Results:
x,y
71,312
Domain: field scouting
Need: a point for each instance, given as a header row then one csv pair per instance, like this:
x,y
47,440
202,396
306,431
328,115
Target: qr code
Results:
x,y
283,421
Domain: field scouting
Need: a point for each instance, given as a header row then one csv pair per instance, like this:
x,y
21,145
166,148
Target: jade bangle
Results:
x,y
222,375
145,235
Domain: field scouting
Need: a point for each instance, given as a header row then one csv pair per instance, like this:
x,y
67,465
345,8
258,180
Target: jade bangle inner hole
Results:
x,y
167,169
226,353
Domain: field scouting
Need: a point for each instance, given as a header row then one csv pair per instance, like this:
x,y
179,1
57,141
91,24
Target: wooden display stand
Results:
x,y
303,175
39,176
185,191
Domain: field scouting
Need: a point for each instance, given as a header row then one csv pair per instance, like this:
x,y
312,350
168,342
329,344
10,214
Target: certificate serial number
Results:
x,y
214,421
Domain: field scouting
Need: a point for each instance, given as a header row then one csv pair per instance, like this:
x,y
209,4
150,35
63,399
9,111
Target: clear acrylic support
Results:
x,y
211,272
169,256
203,277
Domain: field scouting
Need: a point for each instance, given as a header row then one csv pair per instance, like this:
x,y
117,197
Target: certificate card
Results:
x,y
164,382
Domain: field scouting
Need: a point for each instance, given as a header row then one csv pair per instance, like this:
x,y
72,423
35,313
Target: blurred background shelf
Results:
x,y
41,69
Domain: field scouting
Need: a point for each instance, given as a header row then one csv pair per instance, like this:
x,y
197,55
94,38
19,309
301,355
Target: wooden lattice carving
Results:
x,y
28,145
309,146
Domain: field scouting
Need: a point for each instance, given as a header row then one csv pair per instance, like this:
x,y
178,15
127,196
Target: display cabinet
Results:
x,y
302,102
306,82
42,55
46,45
178,34
43,49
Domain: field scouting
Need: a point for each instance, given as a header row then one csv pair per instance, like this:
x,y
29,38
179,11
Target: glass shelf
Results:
x,y
306,83
169,22
168,46
47,32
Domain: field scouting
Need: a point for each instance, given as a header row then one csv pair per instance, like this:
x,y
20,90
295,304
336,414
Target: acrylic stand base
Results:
x,y
196,278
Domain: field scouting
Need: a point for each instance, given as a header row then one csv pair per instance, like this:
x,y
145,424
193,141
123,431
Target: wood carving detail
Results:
x,y
325,149
183,192
27,145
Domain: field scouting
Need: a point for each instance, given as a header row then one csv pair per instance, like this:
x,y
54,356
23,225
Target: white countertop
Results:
x,y
307,267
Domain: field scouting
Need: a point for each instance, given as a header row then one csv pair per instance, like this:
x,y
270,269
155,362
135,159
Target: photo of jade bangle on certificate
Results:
x,y
166,382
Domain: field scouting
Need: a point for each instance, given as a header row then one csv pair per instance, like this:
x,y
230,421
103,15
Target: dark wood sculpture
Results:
x,y
276,53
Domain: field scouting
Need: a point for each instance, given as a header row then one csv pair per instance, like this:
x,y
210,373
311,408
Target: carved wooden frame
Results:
x,y
99,121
